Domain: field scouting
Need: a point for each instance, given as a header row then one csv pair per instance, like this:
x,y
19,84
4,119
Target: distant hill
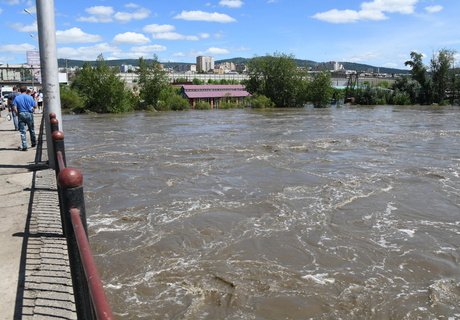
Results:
x,y
299,62
347,65
366,67
62,63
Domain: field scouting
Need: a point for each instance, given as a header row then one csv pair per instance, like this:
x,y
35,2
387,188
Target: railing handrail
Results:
x,y
85,278
96,290
60,160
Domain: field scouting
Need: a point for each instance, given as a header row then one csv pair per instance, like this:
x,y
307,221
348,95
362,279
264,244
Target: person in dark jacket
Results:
x,y
14,115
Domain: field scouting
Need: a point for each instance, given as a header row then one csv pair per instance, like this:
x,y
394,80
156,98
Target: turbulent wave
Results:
x,y
297,214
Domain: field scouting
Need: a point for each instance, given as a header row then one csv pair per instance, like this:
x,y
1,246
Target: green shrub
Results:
x,y
177,103
169,99
71,100
260,102
401,98
229,105
202,105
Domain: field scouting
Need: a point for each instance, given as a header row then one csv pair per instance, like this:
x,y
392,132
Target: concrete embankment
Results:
x,y
36,282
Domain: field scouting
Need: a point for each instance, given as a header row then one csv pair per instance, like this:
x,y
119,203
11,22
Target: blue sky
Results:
x,y
375,32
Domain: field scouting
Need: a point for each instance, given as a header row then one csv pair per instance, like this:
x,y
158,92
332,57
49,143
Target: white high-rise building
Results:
x,y
204,64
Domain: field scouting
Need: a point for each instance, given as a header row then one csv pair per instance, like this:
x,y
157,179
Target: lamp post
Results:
x,y
49,68
31,61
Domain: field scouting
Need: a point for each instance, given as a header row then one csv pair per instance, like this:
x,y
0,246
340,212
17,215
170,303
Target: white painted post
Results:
x,y
49,68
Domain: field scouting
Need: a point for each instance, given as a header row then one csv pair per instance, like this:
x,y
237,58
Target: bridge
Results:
x,y
47,267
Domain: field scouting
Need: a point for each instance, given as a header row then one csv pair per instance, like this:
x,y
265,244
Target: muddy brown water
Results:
x,y
339,213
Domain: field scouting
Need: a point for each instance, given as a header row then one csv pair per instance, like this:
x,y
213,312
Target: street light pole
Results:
x,y
49,68
32,74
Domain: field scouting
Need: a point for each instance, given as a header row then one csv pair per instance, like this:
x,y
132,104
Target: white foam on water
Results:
x,y
409,232
104,224
320,278
444,292
263,157
114,286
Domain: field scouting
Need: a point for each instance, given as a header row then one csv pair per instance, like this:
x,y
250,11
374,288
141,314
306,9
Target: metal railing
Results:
x,y
90,300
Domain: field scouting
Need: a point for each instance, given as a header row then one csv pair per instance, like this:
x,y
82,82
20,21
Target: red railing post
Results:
x,y
70,181
96,290
59,148
54,122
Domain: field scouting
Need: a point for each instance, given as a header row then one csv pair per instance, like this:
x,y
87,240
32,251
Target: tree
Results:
x,y
418,71
440,69
152,81
277,78
101,89
409,87
170,99
320,90
197,81
455,86
419,74
259,102
71,100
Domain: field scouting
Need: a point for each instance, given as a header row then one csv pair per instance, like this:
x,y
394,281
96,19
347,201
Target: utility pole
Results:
x,y
32,73
49,68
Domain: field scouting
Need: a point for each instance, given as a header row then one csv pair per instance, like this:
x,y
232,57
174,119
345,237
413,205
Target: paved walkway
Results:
x,y
35,278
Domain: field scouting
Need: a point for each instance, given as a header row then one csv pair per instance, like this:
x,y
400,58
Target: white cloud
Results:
x,y
338,16
16,47
76,35
434,9
138,51
399,6
139,14
217,51
155,28
374,11
25,28
151,48
132,5
166,32
100,11
205,16
173,36
130,37
104,14
231,3
98,14
204,35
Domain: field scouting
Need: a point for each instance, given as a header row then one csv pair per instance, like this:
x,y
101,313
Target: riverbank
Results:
x,y
35,274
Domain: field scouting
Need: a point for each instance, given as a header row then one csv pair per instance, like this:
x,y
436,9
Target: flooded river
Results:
x,y
341,213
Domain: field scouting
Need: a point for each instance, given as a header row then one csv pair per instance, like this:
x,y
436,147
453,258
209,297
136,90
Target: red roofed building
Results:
x,y
214,93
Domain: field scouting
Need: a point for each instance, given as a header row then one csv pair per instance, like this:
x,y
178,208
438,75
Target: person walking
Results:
x,y
14,115
24,106
40,101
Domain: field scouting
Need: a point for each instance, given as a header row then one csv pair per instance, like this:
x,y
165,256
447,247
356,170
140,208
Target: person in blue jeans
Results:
x,y
24,106
14,115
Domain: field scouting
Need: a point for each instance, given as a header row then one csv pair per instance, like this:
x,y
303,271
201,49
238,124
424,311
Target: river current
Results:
x,y
338,213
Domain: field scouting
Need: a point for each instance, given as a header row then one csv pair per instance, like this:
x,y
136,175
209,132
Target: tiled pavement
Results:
x,y
41,265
